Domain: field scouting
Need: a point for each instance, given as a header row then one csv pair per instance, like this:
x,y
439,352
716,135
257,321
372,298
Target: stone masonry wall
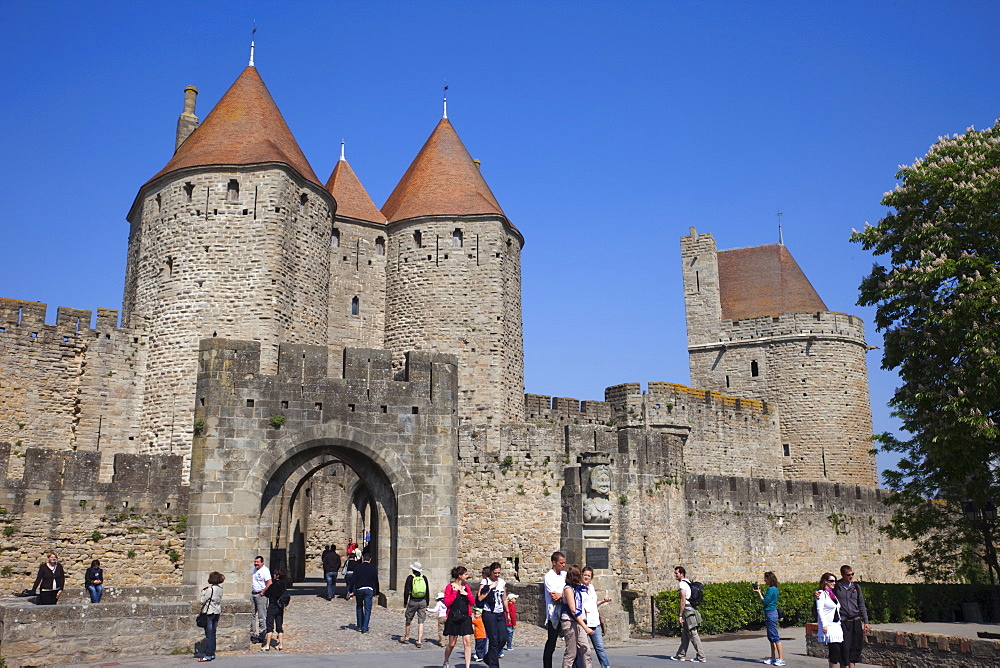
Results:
x,y
739,527
205,264
357,270
71,385
462,299
725,435
812,367
134,524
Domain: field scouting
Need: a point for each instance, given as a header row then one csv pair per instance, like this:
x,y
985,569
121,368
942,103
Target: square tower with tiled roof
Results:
x,y
757,329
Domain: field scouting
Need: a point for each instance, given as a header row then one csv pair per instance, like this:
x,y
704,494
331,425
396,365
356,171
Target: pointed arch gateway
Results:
x,y
382,478
248,468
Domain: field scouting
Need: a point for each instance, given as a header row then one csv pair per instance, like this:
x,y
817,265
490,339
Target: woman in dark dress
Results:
x,y
50,581
275,612
459,599
94,581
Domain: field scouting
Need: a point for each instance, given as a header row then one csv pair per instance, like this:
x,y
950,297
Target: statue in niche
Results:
x,y
597,505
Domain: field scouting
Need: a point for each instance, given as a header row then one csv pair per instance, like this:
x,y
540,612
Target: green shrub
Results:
x,y
731,606
174,556
96,536
8,531
277,420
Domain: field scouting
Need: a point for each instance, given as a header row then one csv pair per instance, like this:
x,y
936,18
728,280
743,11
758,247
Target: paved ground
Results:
x,y
320,632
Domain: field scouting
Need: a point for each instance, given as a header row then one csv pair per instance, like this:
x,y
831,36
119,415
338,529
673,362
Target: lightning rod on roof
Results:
x,y
781,239
445,114
252,33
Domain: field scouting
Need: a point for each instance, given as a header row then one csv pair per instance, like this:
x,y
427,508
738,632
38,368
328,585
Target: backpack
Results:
x,y
418,588
284,600
697,593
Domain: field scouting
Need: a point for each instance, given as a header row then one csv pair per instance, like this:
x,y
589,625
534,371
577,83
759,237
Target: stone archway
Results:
x,y
400,436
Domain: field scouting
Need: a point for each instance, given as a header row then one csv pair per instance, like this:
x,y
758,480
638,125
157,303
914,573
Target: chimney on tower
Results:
x,y
188,122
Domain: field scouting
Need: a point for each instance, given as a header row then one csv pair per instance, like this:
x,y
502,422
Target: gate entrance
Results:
x,y
252,474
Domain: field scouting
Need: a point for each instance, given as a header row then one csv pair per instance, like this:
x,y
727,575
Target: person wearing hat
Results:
x,y
416,596
441,610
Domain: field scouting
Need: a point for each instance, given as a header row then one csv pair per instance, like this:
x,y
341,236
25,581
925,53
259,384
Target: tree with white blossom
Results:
x,y
937,300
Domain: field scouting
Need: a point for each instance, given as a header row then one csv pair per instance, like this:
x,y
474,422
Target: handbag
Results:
x,y
201,621
459,608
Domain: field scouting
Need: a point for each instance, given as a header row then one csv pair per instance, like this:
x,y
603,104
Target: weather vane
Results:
x,y
781,239
445,94
252,33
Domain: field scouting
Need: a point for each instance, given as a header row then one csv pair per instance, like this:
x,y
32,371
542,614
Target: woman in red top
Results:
x,y
458,598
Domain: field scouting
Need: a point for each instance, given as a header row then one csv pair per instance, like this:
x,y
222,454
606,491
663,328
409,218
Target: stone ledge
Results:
x,y
32,635
886,647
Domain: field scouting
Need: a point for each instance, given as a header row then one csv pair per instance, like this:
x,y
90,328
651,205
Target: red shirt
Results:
x,y
450,595
511,613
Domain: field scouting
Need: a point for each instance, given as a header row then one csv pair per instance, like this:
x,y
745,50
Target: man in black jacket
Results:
x,y
365,589
331,568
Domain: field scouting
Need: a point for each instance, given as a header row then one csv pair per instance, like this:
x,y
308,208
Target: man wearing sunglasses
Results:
x,y
853,614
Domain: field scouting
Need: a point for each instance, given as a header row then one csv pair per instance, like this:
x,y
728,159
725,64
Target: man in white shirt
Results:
x,y
689,620
259,582
555,582
493,595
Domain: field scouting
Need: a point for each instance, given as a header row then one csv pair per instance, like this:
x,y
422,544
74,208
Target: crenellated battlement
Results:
x,y
302,391
143,481
820,324
31,315
540,408
671,403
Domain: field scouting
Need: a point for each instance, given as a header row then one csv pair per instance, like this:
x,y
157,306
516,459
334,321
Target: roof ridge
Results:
x,y
245,127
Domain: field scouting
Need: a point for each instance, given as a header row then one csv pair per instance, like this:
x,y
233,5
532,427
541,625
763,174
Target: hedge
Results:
x,y
732,606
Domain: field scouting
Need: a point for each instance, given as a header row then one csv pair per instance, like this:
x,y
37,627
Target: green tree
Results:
x,y
938,305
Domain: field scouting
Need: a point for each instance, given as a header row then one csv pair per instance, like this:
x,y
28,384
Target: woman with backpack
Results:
x,y
459,599
277,600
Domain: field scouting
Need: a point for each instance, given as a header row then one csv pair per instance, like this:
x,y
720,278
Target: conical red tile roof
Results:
x,y
441,180
352,198
764,280
244,128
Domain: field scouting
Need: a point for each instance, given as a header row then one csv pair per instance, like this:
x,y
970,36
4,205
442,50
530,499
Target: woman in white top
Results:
x,y
828,616
211,605
593,617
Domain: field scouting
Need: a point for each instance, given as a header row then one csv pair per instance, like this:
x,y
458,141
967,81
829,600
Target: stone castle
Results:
x,y
293,364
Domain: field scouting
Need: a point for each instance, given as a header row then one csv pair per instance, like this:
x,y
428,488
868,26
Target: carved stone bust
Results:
x,y
597,505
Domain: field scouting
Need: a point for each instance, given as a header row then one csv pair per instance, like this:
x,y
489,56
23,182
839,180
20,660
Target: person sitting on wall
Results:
x,y
94,581
50,580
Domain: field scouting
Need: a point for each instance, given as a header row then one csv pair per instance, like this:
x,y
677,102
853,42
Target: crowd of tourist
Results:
x,y
484,615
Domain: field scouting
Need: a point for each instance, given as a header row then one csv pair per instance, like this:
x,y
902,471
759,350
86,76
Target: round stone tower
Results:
x,y
757,329
230,239
453,277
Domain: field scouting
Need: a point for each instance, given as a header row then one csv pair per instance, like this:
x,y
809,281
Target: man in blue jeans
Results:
x,y
365,588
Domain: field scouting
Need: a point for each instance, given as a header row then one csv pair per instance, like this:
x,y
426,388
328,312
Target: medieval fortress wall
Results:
x,y
398,348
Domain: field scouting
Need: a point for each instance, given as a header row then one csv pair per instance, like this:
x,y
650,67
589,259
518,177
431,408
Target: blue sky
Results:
x,y
604,130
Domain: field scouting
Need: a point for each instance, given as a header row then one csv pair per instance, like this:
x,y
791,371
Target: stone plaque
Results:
x,y
597,557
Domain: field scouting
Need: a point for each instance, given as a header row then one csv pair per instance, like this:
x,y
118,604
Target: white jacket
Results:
x,y
827,609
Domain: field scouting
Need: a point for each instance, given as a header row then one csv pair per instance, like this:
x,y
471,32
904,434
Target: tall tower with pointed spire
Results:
x,y
357,263
230,239
453,277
